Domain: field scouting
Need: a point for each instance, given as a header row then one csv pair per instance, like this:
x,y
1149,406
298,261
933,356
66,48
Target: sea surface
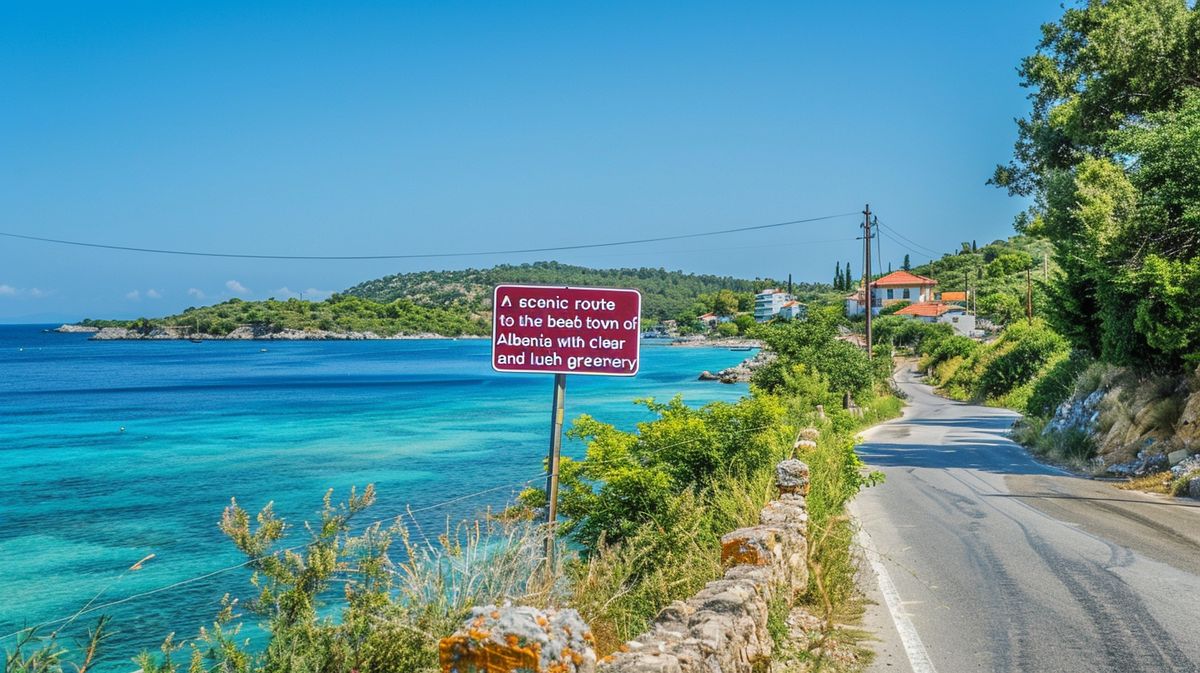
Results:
x,y
112,451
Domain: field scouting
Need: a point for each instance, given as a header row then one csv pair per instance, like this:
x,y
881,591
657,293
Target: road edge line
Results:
x,y
914,648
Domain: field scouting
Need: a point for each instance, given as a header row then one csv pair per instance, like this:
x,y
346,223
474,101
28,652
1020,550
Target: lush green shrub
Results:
x,y
904,332
813,343
1056,383
1000,308
1026,350
954,346
628,479
1004,370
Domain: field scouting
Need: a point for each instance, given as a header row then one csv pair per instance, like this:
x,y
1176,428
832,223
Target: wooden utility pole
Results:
x,y
867,269
1029,294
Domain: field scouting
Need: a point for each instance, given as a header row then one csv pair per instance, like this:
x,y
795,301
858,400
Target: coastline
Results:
x,y
245,333
727,342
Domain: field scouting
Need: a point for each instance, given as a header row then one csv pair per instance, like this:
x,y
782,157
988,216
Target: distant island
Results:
x,y
426,304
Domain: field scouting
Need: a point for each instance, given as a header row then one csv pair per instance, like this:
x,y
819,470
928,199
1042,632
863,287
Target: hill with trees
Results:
x,y
665,294
340,314
995,273
448,303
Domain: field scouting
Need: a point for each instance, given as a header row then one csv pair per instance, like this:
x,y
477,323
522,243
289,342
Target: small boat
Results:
x,y
196,341
741,348
262,350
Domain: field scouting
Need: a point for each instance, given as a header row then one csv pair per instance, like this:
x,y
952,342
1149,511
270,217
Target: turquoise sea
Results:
x,y
111,451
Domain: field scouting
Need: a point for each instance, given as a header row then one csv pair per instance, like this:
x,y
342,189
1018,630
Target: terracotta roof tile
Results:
x,y
928,309
897,278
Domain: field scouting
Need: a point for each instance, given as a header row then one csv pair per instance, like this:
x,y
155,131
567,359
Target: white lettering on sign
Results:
x,y
566,330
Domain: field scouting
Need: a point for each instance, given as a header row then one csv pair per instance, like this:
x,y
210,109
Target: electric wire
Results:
x,y
559,248
926,249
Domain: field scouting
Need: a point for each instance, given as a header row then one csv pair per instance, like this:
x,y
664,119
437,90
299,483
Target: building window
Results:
x,y
906,293
891,293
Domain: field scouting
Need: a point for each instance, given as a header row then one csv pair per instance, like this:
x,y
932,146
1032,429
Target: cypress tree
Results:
x,y
907,264
837,277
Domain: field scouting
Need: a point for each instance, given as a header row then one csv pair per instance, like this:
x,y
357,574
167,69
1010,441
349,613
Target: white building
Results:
x,y
768,303
893,288
793,310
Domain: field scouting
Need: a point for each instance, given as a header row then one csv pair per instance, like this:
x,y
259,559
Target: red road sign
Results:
x,y
566,330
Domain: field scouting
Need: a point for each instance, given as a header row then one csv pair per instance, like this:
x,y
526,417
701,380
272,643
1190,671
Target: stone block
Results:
x,y
791,476
784,514
519,640
1193,489
1177,457
810,434
641,662
757,545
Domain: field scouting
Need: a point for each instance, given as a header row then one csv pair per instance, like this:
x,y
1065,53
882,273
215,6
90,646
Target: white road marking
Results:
x,y
918,658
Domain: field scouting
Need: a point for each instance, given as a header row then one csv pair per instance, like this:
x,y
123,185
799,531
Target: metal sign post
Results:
x,y
556,423
589,331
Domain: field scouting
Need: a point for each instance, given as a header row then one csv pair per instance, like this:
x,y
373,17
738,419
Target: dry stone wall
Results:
x,y
722,629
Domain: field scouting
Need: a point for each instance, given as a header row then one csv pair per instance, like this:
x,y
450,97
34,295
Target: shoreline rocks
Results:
x,y
740,373
76,329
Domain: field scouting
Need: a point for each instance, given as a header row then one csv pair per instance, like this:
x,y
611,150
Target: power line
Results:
x,y
927,250
193,253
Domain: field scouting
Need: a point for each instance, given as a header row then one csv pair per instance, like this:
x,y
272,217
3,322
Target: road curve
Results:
x,y
999,563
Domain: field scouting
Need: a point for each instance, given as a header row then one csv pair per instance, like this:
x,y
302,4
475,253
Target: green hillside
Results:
x,y
995,273
339,313
665,294
454,303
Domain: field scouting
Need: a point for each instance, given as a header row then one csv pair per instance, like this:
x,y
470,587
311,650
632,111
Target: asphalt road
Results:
x,y
993,562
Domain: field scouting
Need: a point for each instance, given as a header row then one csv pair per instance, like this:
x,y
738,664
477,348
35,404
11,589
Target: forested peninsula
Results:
x,y
427,304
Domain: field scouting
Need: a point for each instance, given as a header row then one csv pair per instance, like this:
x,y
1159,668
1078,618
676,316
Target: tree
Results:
x,y
744,323
849,283
837,277
907,264
725,302
1108,151
1002,309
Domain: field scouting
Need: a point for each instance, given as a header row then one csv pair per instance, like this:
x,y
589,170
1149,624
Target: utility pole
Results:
x,y
867,269
1029,294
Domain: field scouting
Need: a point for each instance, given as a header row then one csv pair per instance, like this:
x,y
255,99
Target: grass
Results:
x,y
1072,448
1159,482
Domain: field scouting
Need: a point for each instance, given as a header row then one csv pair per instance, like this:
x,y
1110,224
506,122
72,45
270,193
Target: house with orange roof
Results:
x,y
893,288
792,310
958,317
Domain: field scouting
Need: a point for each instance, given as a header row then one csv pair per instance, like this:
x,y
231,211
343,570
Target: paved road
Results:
x,y
995,562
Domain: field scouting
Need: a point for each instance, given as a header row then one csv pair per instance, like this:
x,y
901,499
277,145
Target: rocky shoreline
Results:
x,y
741,372
705,342
244,333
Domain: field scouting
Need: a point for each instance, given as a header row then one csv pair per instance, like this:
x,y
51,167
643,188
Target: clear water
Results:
x,y
425,421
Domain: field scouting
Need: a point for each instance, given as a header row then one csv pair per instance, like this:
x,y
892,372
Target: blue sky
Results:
x,y
399,128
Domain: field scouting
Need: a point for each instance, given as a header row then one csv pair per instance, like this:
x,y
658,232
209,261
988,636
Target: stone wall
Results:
x,y
722,629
